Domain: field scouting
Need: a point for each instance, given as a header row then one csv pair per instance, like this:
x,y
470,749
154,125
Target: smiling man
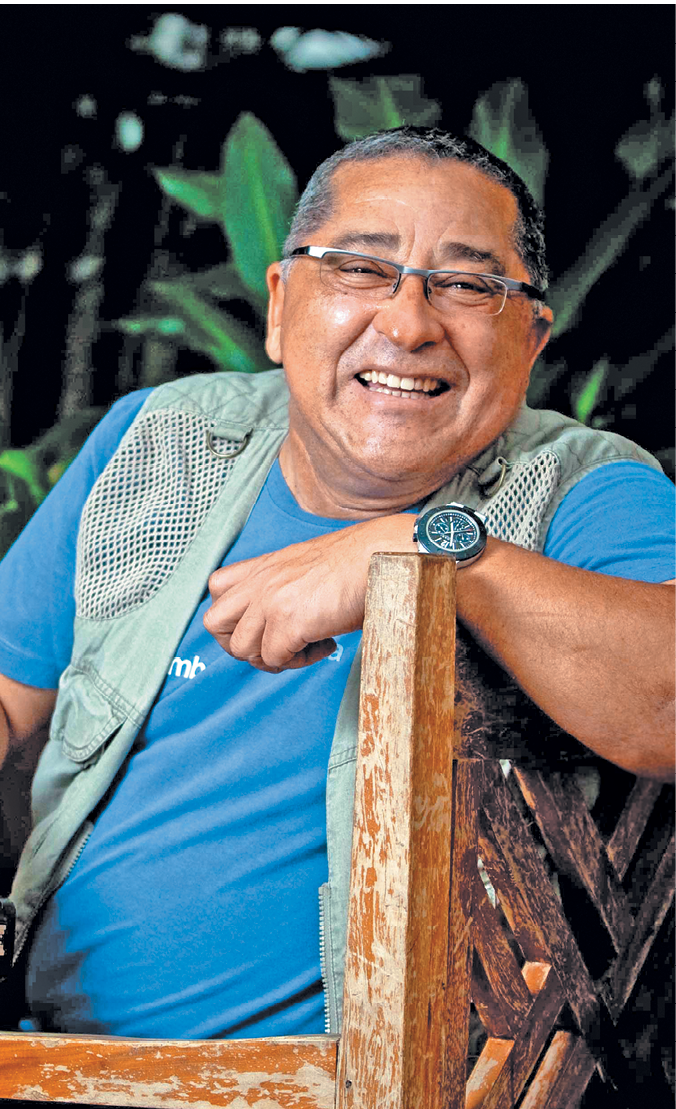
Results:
x,y
196,788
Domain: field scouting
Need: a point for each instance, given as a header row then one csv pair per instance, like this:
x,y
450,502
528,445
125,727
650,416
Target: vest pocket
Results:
x,y
85,717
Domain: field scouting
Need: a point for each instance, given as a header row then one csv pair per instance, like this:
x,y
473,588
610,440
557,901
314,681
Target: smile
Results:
x,y
380,382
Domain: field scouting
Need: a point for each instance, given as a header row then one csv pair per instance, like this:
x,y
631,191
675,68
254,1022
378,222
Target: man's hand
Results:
x,y
281,611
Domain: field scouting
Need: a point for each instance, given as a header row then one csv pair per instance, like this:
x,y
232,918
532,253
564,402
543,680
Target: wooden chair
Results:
x,y
498,919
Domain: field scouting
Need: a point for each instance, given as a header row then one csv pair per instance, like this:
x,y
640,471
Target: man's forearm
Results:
x,y
596,653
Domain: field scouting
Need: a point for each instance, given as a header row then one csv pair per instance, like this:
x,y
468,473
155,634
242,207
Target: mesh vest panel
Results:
x,y
145,510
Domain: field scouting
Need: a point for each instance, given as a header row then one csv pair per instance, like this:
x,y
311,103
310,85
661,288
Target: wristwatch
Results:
x,y
452,530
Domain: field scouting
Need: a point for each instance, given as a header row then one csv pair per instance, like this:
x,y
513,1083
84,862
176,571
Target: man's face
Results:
x,y
400,448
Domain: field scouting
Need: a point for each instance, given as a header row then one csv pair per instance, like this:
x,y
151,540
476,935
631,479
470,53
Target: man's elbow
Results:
x,y
649,749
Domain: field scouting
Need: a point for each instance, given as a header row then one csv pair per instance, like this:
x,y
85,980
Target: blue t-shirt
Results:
x,y
200,879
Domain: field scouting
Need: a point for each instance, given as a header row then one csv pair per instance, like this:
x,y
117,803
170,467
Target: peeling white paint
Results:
x,y
222,1086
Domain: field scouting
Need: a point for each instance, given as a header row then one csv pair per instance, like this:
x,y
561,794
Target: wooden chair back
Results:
x,y
505,895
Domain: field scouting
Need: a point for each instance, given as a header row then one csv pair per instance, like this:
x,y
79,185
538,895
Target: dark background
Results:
x,y
585,67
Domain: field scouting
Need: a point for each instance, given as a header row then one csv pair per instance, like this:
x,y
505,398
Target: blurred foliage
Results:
x,y
27,475
504,124
250,197
379,104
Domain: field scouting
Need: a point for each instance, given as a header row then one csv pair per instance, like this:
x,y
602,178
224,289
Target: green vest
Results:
x,y
160,518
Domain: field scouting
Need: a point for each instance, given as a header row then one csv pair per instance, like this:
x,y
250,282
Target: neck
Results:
x,y
327,488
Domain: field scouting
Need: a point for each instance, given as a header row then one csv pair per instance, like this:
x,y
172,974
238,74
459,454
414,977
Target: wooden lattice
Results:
x,y
519,1004
562,872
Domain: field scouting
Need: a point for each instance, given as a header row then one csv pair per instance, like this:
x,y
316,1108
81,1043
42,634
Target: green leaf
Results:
x,y
645,146
223,282
22,464
151,325
200,193
380,104
261,191
503,122
211,330
588,397
567,295
17,505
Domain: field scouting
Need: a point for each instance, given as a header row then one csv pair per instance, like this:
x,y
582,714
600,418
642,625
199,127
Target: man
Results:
x,y
168,886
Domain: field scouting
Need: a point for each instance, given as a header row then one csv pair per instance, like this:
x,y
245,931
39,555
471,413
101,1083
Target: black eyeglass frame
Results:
x,y
511,285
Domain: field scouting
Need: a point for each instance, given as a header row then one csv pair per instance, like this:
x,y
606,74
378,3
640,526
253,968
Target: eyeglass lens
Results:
x,y
374,280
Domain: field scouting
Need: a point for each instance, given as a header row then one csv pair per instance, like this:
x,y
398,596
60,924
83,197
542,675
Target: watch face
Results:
x,y
452,531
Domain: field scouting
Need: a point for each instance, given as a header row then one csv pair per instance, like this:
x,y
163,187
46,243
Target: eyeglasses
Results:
x,y
374,279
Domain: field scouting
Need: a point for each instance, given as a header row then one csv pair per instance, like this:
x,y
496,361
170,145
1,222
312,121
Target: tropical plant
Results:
x,y
250,197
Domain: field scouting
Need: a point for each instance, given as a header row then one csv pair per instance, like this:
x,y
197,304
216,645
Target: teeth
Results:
x,y
407,384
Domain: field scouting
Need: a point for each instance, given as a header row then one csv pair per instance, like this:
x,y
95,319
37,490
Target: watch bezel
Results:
x,y
421,536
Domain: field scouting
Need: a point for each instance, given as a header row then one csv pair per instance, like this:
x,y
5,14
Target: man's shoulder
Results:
x,y
228,400
575,444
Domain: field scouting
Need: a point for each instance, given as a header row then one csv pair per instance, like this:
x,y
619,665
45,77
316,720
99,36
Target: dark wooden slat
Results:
x,y
562,1076
509,990
516,908
652,912
501,1087
573,841
394,1043
281,1073
543,920
486,1003
631,825
531,1038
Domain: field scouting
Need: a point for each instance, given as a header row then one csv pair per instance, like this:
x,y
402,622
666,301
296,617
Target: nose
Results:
x,y
408,319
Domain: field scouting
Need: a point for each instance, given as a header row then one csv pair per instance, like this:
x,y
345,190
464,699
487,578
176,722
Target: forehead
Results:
x,y
411,204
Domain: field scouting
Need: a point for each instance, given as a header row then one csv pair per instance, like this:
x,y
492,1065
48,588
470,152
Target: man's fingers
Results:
x,y
228,576
314,652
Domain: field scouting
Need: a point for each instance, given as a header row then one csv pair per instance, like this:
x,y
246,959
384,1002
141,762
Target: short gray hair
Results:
x,y
315,206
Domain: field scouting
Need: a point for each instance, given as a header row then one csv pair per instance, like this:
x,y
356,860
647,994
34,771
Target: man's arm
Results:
x,y
24,710
595,652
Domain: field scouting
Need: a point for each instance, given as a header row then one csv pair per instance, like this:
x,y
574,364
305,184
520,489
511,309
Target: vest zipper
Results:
x,y
51,888
322,960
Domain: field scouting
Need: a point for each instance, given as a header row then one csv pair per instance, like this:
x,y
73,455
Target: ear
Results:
x,y
273,340
541,331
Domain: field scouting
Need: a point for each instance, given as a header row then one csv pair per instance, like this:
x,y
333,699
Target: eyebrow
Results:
x,y
451,251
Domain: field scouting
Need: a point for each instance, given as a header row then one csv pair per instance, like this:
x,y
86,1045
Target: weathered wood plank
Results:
x,y
489,1067
627,967
563,1074
281,1073
467,782
394,1041
509,990
574,842
544,918
631,825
